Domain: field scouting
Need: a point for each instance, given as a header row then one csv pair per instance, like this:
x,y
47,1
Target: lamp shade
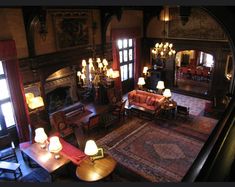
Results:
x,y
36,102
141,81
115,74
167,93
28,97
160,85
40,135
55,146
79,73
91,148
145,70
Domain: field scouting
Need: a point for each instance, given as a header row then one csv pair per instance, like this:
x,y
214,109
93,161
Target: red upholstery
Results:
x,y
144,99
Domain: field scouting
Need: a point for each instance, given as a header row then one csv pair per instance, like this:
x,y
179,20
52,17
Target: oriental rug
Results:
x,y
160,151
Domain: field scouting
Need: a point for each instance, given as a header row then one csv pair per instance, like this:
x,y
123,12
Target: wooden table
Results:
x,y
98,169
44,158
168,108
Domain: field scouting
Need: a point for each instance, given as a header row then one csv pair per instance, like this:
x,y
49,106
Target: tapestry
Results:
x,y
199,26
158,150
72,29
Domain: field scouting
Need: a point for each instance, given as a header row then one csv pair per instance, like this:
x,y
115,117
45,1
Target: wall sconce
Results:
x,y
79,77
141,82
55,146
40,137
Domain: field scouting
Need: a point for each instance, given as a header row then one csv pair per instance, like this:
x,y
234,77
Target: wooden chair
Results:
x,y
64,127
182,110
120,110
94,122
7,148
24,145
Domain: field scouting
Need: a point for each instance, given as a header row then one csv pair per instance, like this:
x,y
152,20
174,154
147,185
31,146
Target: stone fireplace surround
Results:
x,y
60,89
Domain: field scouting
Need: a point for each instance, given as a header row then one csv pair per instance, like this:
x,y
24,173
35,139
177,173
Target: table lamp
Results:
x,y
160,86
40,137
28,97
55,146
91,148
167,93
141,82
145,70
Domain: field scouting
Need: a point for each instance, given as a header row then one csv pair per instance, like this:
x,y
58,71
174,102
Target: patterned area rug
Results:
x,y
196,105
160,151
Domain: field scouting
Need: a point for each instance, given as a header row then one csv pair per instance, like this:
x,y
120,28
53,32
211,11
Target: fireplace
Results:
x,y
60,89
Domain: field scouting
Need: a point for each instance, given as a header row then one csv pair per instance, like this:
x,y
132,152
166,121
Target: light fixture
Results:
x,y
91,148
28,97
164,49
160,86
167,93
55,146
141,82
40,137
35,102
145,70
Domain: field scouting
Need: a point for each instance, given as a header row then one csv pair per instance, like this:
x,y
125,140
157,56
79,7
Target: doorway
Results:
x,y
193,71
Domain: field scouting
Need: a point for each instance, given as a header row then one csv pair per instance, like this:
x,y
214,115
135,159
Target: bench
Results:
x,y
11,167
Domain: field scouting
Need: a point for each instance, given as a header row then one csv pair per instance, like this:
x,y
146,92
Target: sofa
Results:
x,y
149,101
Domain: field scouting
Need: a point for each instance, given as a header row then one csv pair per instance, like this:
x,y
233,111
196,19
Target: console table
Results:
x,y
44,158
91,171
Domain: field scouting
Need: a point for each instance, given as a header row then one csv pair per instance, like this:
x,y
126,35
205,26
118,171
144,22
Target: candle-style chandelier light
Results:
x,y
95,71
164,49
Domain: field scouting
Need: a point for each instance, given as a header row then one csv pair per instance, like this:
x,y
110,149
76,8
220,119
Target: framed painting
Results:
x,y
72,30
34,88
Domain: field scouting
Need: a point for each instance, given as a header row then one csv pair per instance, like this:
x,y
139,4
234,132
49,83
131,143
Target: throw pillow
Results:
x,y
142,99
148,99
152,102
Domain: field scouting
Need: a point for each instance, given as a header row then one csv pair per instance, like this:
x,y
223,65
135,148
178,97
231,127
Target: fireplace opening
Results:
x,y
58,99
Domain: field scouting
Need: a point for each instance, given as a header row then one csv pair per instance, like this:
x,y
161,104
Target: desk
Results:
x,y
44,158
99,169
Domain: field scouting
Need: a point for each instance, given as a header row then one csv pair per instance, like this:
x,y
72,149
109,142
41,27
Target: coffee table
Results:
x,y
91,171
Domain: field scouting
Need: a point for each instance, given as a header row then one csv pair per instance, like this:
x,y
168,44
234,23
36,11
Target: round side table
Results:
x,y
91,171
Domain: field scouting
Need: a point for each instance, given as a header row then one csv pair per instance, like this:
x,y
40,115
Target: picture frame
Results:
x,y
99,155
34,88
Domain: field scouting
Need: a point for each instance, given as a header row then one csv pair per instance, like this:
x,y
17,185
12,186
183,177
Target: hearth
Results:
x,y
60,89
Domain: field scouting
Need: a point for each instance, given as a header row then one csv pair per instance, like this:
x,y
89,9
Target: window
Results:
x,y
126,58
5,100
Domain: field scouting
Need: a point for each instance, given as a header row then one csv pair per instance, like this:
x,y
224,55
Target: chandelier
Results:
x,y
95,72
164,49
